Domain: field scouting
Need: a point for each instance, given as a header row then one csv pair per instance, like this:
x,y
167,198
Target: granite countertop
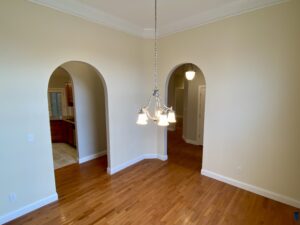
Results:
x,y
69,120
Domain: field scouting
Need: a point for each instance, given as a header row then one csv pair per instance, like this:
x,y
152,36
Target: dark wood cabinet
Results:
x,y
69,131
63,132
69,94
57,131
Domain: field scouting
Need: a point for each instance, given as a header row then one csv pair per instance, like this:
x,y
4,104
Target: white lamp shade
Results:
x,y
171,117
163,120
190,74
142,119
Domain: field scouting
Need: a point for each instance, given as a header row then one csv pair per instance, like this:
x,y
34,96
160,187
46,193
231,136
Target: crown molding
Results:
x,y
83,11
91,14
229,10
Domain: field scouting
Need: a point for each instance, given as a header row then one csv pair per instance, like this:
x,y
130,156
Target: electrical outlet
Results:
x,y
12,197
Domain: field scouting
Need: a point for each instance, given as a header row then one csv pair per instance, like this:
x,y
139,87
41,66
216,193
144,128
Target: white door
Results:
x,y
201,110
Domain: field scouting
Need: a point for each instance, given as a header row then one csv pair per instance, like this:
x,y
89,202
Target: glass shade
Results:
x,y
142,119
171,117
163,120
190,74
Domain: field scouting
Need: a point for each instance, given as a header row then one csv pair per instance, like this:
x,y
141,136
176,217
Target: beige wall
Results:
x,y
176,82
191,107
90,108
34,41
251,66
59,78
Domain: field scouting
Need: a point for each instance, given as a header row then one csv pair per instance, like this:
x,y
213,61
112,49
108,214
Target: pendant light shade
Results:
x,y
190,74
171,117
163,120
142,118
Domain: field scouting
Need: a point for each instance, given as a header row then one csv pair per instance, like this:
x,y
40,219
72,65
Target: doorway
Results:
x,y
62,119
77,100
185,138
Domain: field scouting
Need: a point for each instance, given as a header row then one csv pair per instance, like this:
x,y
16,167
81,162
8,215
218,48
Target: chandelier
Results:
x,y
161,114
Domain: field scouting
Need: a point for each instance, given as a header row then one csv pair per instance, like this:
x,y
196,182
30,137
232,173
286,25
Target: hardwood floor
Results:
x,y
154,192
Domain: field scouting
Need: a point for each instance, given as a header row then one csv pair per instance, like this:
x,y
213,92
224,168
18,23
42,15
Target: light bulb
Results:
x,y
190,74
171,117
163,120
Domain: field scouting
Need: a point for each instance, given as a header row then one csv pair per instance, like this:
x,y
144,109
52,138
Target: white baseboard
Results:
x,y
90,157
257,190
162,157
28,208
189,141
116,169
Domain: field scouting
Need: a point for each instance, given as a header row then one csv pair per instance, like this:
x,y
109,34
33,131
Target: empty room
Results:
x,y
150,112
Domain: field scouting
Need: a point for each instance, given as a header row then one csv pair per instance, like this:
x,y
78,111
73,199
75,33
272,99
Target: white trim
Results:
x,y
257,190
84,11
229,10
190,141
162,157
79,9
28,208
116,169
90,157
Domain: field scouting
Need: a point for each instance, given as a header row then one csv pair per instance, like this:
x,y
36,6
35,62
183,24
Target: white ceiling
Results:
x,y
137,16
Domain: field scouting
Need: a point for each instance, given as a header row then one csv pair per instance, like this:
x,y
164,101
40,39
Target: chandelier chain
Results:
x,y
155,47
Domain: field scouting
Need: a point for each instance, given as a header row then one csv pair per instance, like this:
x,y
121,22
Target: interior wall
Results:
x,y
252,123
59,78
175,85
34,41
191,107
90,108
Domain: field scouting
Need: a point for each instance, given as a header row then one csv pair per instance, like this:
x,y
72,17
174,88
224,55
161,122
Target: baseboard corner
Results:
x,y
91,157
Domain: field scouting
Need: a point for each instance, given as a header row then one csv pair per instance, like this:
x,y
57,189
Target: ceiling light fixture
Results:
x,y
190,73
162,115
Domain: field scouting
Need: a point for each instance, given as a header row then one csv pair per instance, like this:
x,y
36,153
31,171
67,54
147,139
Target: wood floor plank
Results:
x,y
154,192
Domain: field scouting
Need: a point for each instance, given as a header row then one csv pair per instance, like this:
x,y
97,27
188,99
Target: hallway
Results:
x,y
181,153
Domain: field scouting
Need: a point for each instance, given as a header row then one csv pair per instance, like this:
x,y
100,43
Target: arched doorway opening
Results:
x,y
77,99
184,139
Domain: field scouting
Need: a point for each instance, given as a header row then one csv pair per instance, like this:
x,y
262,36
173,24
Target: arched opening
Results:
x,y
184,139
62,118
77,99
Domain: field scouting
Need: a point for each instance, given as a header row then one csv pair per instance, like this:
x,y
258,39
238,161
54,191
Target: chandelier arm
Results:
x,y
149,115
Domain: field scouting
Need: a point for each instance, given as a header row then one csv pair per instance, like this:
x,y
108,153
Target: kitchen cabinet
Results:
x,y
63,131
56,131
69,133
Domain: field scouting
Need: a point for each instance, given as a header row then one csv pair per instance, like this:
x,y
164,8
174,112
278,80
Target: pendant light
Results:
x,y
162,115
190,73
